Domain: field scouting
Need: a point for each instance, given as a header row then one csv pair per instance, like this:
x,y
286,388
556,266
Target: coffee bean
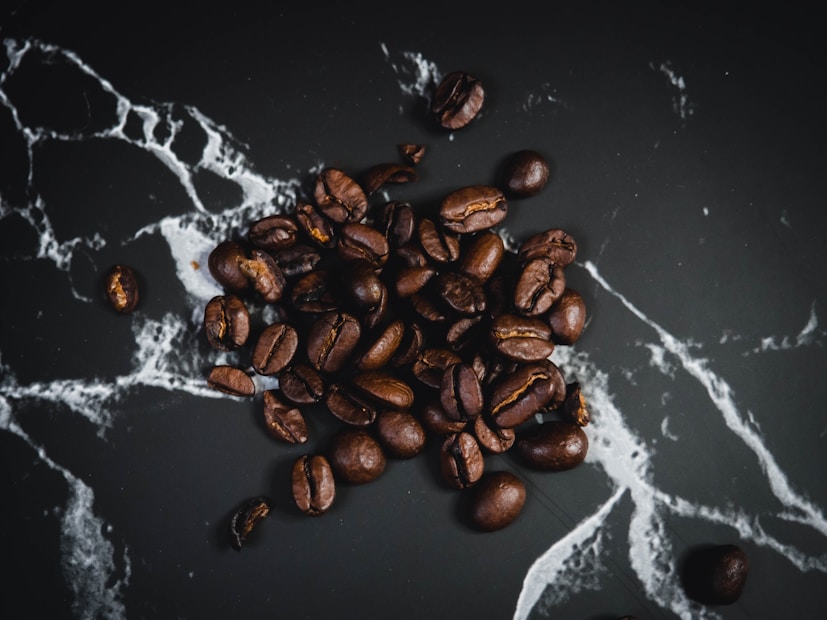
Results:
x,y
121,287
349,406
284,422
361,285
438,422
460,392
397,221
301,384
380,174
298,259
526,173
263,275
539,287
430,365
314,488
384,388
464,332
318,228
518,395
411,280
554,245
247,517
275,348
574,406
715,574
339,197
313,292
567,317
521,339
273,233
440,245
224,263
461,460
410,346
483,256
555,445
380,351
412,153
231,380
457,100
226,322
400,433
497,500
494,439
460,292
331,339
356,456
473,208
358,241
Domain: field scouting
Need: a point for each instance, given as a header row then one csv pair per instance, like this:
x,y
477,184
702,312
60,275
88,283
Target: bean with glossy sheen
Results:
x,y
356,456
518,395
521,339
497,500
331,339
314,487
231,380
461,460
283,421
226,322
555,445
473,208
275,348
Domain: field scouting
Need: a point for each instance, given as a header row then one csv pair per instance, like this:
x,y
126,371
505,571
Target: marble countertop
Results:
x,y
687,156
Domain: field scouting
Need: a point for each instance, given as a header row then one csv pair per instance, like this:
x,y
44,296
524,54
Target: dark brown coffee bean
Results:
x,y
411,280
384,388
426,307
315,224
313,292
494,439
356,456
717,574
412,254
526,173
430,365
397,222
436,421
349,406
361,285
555,445
497,500
460,392
521,339
358,241
518,395
264,275
574,406
400,433
245,518
224,263
412,153
483,256
567,318
297,260
339,197
314,488
283,421
301,384
380,351
464,332
461,460
539,287
376,315
273,233
275,348
231,380
411,345
553,245
457,100
380,174
558,385
473,208
439,244
121,288
226,322
331,339
461,293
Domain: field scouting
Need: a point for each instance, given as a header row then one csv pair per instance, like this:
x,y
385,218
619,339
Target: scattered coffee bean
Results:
x,y
245,518
461,460
356,456
314,488
121,287
226,322
401,433
716,574
412,153
457,100
231,380
497,500
526,173
283,421
567,317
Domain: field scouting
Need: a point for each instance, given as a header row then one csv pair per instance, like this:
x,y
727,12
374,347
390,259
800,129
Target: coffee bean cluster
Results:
x,y
406,323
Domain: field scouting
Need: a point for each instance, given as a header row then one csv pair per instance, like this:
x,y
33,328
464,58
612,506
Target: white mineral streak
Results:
x,y
683,107
415,75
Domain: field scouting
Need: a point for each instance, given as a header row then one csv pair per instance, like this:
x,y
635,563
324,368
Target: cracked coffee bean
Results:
x,y
457,100
245,518
121,287
226,322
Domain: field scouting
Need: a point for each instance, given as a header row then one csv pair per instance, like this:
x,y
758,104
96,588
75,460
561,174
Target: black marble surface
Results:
x,y
688,154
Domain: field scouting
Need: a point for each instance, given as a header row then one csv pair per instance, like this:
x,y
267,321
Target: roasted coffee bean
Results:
x,y
339,197
430,365
275,348
400,433
298,259
526,173
121,288
264,275
461,461
412,254
518,395
553,245
331,339
315,224
555,445
460,292
226,322
460,392
314,488
574,406
380,174
494,439
361,285
397,222
521,339
224,263
411,280
411,345
231,380
567,317
356,456
436,421
440,245
376,315
358,241
384,388
313,292
245,518
273,233
426,307
716,574
457,100
539,287
497,500
380,351
473,208
301,384
283,421
412,153
349,406
558,385
464,332
483,256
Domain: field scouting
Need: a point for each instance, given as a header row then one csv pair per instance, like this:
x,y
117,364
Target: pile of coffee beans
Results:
x,y
406,323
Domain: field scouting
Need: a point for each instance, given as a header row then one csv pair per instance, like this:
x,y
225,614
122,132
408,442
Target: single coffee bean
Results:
x,y
526,173
301,384
437,422
567,317
554,245
457,100
574,406
439,244
497,500
558,385
464,332
339,197
380,174
247,517
315,224
264,275
275,348
121,287
411,254
361,285
412,153
231,380
556,445
224,263
358,241
356,456
539,287
473,208
460,392
483,256
298,259
284,422
411,280
400,433
349,406
385,389
379,353
461,460
430,365
226,322
521,339
427,307
273,233
397,222
410,346
494,439
376,315
331,339
313,292
518,395
314,488
460,292
716,574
